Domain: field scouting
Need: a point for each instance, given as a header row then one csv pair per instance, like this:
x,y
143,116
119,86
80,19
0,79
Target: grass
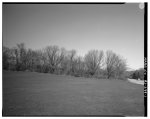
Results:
x,y
39,94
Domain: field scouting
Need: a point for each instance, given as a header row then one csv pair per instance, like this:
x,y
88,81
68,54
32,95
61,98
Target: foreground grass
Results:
x,y
37,94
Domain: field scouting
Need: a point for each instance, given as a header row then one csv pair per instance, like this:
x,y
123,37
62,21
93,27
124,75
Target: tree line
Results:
x,y
137,74
55,60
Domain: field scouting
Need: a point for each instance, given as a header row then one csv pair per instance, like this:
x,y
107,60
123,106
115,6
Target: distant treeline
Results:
x,y
137,74
55,60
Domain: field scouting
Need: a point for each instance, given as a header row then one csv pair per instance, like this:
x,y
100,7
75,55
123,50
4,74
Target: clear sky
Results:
x,y
119,28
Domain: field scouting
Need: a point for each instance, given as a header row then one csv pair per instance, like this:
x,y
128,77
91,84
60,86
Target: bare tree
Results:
x,y
54,57
37,60
79,66
93,60
30,59
110,63
19,53
121,67
6,57
15,53
115,65
71,58
62,64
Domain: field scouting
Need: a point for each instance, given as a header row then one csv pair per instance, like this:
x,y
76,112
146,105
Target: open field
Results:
x,y
39,94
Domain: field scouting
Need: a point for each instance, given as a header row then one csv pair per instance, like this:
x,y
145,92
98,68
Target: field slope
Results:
x,y
39,94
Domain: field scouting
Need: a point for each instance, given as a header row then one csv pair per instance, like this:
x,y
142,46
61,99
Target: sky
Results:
x,y
83,27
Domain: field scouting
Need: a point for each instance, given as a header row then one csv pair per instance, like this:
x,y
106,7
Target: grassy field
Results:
x,y
38,94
